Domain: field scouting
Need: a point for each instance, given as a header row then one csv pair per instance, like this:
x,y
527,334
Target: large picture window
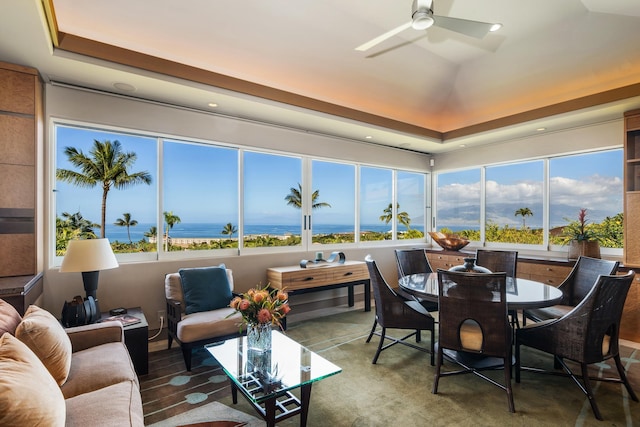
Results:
x,y
376,204
333,202
593,182
200,197
514,203
272,200
106,186
167,196
458,198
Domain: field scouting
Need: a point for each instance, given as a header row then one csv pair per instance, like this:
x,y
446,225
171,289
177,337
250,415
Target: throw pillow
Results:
x,y
29,396
9,318
205,288
45,336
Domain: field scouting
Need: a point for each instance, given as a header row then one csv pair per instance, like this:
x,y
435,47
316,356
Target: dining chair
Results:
x,y
574,288
587,334
414,261
474,330
395,312
500,261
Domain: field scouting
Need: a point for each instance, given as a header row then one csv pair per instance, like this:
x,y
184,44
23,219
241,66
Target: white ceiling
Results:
x,y
548,52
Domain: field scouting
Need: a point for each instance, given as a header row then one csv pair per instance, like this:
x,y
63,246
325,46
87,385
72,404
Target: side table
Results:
x,y
136,338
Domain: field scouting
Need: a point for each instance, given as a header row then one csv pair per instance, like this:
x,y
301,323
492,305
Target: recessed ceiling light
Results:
x,y
495,27
541,129
125,87
368,137
212,104
462,145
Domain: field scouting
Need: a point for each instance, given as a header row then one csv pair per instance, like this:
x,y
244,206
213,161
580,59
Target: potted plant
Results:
x,y
582,238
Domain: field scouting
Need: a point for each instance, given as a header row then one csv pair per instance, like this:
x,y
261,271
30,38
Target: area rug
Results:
x,y
397,390
214,411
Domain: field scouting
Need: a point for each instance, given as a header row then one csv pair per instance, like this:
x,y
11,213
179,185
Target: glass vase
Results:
x,y
470,266
259,337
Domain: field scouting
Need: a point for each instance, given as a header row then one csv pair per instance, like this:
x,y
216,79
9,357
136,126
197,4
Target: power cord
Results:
x,y
159,330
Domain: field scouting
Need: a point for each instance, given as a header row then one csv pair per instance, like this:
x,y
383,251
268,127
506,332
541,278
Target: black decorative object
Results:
x,y
335,257
470,267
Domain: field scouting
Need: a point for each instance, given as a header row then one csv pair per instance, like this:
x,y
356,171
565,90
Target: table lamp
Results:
x,y
88,257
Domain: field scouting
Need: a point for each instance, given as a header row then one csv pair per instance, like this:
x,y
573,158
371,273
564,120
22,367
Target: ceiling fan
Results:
x,y
422,17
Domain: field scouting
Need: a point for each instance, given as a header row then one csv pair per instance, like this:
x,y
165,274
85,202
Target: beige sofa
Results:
x,y
81,376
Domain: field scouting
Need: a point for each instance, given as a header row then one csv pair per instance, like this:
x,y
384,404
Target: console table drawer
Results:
x,y
305,279
350,273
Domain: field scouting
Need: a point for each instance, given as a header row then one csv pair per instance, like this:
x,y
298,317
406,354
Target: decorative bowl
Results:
x,y
448,242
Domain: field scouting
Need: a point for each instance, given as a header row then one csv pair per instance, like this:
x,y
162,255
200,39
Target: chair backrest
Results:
x,y
473,313
593,326
583,276
385,297
173,286
412,261
498,261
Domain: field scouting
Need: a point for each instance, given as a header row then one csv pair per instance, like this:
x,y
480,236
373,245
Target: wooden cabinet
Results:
x,y
295,279
20,124
631,188
446,259
551,273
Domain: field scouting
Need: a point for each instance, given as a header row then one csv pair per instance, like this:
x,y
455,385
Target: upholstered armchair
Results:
x,y
198,311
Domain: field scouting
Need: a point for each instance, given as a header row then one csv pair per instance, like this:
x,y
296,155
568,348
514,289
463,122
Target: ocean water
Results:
x,y
214,231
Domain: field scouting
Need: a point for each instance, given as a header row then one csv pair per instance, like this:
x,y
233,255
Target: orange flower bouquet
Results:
x,y
261,306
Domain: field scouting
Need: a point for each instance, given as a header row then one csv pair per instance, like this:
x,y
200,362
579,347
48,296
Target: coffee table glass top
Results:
x,y
262,375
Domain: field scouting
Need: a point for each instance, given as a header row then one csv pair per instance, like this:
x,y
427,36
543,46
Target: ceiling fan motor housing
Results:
x,y
421,14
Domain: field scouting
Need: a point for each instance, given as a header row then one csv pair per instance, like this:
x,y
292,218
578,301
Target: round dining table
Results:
x,y
521,293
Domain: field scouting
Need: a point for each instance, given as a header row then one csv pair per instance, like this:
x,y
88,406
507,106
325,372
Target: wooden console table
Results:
x,y
298,280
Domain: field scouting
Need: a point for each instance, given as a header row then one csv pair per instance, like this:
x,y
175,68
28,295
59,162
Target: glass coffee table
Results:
x,y
267,378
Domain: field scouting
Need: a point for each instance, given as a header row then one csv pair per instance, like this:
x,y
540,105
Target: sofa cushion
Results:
x,y
46,337
122,407
205,288
209,324
9,318
29,396
98,367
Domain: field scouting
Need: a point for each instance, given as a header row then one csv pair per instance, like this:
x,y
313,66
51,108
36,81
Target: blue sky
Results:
x,y
200,185
592,181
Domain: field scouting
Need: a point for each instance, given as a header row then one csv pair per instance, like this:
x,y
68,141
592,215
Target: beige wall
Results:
x,y
593,137
142,284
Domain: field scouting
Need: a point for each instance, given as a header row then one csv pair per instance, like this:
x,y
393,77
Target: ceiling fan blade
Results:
x,y
371,43
474,29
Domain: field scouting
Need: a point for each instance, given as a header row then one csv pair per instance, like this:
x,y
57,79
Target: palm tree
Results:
x,y
229,230
170,219
294,198
524,212
72,226
403,217
107,166
153,232
126,221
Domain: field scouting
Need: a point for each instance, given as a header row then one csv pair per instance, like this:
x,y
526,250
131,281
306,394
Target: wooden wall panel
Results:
x,y
17,254
17,186
17,140
18,92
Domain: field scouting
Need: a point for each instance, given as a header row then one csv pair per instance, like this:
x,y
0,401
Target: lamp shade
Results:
x,y
88,255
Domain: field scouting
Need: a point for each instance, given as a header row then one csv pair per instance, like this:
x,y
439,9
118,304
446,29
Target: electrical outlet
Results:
x,y
161,314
